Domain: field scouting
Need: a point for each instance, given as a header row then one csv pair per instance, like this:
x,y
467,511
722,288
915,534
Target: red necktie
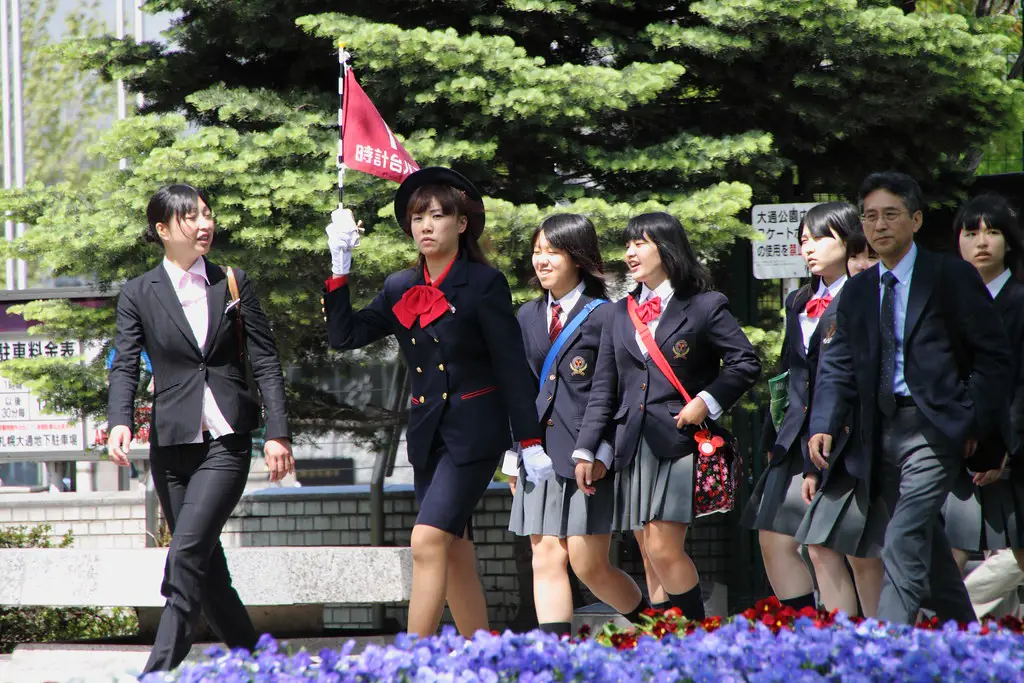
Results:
x,y
556,322
425,302
817,305
650,309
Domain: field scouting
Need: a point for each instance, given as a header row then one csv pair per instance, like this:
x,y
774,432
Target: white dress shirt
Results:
x,y
191,290
665,291
998,283
809,324
567,302
904,272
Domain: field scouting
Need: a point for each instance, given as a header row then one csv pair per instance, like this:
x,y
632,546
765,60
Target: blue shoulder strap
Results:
x,y
567,331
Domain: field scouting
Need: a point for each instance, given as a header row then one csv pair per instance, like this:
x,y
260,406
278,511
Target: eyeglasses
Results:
x,y
889,216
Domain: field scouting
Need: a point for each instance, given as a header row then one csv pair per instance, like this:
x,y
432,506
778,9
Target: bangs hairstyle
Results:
x,y
173,201
687,275
575,235
994,212
836,219
453,202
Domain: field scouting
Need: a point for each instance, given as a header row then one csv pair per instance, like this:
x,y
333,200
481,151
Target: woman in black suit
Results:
x,y
452,316
654,431
195,335
568,518
985,508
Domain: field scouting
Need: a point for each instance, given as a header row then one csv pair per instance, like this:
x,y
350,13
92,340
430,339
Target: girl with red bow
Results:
x,y
452,316
706,352
781,507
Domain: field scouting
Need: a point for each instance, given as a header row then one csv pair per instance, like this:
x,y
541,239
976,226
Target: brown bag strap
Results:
x,y
236,296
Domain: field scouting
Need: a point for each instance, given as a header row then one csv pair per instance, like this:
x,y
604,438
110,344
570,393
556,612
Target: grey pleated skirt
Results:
x,y
844,517
988,517
557,507
653,489
776,504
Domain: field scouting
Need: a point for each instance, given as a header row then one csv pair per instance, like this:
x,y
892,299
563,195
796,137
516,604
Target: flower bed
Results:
x,y
765,643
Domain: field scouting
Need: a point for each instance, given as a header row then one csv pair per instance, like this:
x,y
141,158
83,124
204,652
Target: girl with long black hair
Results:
x,y
568,518
674,308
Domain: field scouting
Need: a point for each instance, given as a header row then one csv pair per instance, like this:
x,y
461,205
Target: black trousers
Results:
x,y
198,486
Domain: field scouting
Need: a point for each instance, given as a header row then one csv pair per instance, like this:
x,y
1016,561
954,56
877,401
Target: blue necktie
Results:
x,y
887,328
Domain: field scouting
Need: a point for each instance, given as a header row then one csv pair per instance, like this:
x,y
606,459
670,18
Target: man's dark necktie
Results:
x,y
556,322
887,328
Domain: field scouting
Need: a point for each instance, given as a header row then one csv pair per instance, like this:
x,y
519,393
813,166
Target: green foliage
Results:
x,y
46,624
607,108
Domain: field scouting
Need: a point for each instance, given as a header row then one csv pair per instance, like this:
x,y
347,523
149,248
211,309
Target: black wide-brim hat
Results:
x,y
438,175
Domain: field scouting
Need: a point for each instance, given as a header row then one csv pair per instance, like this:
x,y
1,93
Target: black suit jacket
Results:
x,y
563,394
803,369
469,374
706,349
946,294
150,316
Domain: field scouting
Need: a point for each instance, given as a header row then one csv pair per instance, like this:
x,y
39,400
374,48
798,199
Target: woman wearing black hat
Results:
x,y
452,316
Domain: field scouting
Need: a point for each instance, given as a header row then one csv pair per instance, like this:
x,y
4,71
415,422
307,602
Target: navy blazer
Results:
x,y
1009,305
706,349
803,368
563,394
947,306
468,368
150,316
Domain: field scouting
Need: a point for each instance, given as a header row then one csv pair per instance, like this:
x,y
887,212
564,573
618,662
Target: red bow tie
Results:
x,y
649,310
422,301
817,305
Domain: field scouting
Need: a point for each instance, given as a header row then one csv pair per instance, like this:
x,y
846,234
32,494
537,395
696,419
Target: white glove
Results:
x,y
537,464
510,464
342,237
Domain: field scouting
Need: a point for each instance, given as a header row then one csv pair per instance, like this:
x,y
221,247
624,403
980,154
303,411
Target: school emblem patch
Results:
x,y
578,365
831,332
680,349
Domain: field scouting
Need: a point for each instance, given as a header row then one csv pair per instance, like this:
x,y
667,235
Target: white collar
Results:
x,y
568,301
664,290
176,273
832,289
998,283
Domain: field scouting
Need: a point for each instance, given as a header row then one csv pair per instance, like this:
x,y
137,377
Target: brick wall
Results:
x,y
341,516
96,520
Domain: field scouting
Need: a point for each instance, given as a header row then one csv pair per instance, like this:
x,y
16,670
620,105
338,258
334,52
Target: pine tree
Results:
x,y
600,107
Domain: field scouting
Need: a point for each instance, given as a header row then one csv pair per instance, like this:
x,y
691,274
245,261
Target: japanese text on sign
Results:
x,y
26,425
777,255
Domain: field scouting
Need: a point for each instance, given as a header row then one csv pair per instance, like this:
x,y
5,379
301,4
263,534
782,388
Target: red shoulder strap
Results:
x,y
652,348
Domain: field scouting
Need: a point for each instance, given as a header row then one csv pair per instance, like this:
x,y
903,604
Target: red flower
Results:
x,y
623,641
749,613
673,613
584,631
768,620
808,612
651,612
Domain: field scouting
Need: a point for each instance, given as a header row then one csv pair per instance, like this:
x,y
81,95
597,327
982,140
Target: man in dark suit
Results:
x,y
203,413
920,350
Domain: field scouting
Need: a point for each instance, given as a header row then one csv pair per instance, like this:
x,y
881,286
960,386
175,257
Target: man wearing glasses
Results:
x,y
920,350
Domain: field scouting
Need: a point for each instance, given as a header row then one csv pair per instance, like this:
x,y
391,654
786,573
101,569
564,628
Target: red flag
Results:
x,y
369,144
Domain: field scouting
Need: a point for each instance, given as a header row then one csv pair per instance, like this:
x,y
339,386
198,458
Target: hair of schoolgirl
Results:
x,y
995,212
835,219
687,275
575,235
453,202
172,201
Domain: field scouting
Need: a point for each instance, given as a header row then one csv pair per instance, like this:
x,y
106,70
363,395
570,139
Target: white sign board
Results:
x,y
777,255
26,426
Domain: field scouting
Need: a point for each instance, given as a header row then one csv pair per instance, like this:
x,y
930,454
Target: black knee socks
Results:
x,y
661,605
634,615
690,603
559,628
800,602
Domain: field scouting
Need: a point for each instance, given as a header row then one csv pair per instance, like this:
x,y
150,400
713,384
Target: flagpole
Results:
x,y
342,70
